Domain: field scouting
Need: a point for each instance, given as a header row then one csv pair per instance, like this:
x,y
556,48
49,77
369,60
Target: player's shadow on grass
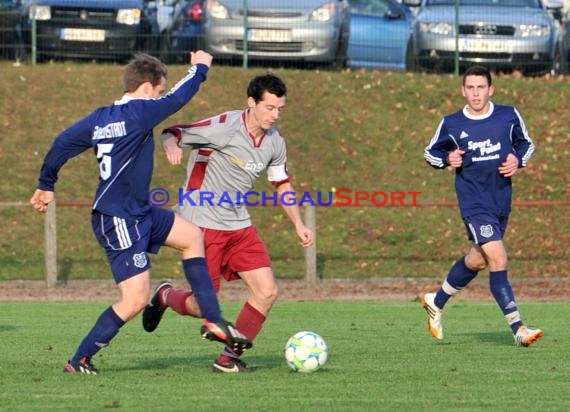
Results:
x,y
7,328
172,362
499,338
168,362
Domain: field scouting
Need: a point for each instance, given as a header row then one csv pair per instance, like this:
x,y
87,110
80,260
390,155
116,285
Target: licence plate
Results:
x,y
483,46
269,35
88,35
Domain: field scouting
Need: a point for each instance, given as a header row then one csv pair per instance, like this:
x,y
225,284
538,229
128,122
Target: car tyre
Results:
x,y
412,63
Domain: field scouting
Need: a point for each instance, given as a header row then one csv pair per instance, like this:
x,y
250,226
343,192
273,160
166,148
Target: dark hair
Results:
x,y
266,83
143,68
478,71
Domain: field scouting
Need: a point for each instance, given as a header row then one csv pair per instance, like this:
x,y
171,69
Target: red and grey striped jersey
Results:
x,y
223,167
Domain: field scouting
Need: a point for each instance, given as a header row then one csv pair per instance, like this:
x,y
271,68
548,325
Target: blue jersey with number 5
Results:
x,y
122,138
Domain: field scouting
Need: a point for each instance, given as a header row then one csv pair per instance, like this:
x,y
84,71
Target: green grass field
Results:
x,y
381,358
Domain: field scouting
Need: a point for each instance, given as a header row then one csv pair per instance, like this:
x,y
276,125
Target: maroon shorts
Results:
x,y
231,251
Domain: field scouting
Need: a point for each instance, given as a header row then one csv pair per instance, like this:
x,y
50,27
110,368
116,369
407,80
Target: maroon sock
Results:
x,y
176,300
249,322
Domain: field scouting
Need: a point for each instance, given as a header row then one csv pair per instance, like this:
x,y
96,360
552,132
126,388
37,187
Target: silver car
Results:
x,y
283,30
501,34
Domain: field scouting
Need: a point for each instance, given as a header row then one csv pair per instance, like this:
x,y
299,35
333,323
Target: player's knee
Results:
x,y
267,296
133,306
476,262
499,263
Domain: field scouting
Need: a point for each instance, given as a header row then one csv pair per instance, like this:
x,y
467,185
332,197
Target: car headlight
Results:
x,y
534,30
129,16
444,29
37,12
323,13
218,10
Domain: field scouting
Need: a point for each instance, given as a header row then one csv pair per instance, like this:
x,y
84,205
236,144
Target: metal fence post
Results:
x,y
311,251
50,234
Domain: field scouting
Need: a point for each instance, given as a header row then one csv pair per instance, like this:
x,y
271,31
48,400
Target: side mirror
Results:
x,y
394,14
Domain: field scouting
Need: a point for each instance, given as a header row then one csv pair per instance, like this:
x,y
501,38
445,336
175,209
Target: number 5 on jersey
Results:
x,y
104,159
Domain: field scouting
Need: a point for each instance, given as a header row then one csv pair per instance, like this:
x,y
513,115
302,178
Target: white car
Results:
x,y
501,34
277,30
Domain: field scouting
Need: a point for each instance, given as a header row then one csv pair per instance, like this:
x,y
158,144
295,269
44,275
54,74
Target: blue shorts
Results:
x,y
127,241
484,228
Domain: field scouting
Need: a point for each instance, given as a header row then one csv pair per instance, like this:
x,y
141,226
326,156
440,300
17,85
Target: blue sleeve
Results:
x,y
523,146
70,143
436,152
151,112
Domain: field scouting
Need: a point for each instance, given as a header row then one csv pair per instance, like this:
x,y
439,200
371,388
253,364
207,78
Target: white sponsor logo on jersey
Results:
x,y
254,167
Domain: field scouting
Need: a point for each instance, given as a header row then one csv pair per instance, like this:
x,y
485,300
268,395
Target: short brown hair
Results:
x,y
143,68
478,71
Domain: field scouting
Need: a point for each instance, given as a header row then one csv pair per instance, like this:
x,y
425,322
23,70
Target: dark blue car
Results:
x,y
186,33
94,29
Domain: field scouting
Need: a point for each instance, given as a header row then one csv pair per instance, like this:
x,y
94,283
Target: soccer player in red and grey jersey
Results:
x,y
229,152
486,144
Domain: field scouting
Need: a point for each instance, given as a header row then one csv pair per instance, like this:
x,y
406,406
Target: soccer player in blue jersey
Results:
x,y
486,144
124,223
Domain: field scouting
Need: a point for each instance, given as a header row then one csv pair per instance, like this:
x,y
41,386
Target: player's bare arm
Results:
x,y
509,166
172,150
455,158
293,213
41,199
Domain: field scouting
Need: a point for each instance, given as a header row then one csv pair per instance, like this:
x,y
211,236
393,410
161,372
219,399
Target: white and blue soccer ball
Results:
x,y
306,352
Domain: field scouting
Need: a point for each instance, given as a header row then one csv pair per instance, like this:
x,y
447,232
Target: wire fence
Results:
x,y
376,243
382,34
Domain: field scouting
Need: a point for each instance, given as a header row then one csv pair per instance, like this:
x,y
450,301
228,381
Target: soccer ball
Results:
x,y
306,352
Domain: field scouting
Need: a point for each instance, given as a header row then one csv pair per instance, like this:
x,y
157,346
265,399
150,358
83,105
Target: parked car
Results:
x,y
502,34
278,30
186,33
10,36
95,29
566,45
379,35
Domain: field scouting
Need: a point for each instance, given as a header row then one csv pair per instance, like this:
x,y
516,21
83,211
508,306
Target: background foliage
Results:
x,y
363,130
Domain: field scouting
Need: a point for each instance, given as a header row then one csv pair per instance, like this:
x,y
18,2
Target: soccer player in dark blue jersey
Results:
x,y
124,223
486,144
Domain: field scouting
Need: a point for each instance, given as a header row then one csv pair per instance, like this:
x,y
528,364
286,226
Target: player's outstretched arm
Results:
x,y
41,199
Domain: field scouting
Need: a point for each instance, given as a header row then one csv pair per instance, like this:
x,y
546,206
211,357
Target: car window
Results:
x,y
504,3
370,7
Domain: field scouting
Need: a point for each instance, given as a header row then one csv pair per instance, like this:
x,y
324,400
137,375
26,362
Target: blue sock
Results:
x,y
197,275
458,277
503,294
105,329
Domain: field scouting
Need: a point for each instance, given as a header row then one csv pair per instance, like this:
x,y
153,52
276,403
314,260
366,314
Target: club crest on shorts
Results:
x,y
139,259
486,231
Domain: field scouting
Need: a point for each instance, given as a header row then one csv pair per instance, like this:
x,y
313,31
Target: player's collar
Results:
x,y
480,116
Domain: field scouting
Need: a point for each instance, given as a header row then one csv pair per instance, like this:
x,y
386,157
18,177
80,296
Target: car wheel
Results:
x,y
412,63
560,64
340,58
164,42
